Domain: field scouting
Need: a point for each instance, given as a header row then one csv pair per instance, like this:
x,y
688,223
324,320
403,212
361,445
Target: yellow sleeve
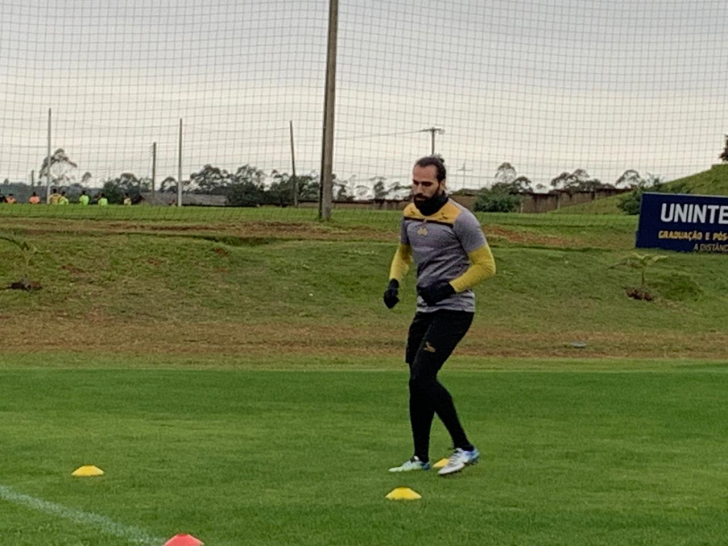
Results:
x,y
401,262
482,266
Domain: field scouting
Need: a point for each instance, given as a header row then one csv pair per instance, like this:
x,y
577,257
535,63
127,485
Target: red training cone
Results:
x,y
183,540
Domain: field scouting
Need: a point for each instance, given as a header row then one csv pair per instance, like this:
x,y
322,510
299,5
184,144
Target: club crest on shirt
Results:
x,y
422,231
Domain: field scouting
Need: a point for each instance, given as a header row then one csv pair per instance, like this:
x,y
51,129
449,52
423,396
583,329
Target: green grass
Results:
x,y
183,292
238,456
607,205
212,215
184,354
710,182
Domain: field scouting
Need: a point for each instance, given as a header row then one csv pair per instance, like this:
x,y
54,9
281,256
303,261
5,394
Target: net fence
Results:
x,y
561,105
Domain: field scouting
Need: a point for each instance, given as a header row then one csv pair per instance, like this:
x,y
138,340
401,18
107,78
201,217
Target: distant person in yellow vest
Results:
x,y
127,199
83,198
63,199
103,201
54,198
34,199
10,199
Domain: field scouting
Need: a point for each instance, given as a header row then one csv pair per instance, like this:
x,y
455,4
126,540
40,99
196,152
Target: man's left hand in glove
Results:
x,y
435,292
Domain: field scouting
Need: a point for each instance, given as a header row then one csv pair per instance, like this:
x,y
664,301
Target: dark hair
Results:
x,y
434,161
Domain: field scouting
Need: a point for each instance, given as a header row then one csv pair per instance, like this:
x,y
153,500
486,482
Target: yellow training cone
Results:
x,y
403,493
86,471
440,464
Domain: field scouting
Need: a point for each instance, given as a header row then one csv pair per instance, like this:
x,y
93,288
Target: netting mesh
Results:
x,y
550,88
545,86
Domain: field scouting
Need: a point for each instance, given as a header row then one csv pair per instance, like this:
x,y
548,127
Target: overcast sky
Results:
x,y
547,85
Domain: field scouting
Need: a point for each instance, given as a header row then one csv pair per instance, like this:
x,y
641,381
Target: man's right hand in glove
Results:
x,y
390,294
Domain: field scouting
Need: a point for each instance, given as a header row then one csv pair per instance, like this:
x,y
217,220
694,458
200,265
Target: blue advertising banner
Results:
x,y
687,223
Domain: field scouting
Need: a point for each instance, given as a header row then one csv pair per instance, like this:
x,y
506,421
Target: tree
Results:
x,y
281,189
497,200
60,167
629,179
86,178
362,192
342,189
309,186
519,185
724,155
115,188
562,180
398,190
579,180
210,180
379,189
245,194
247,188
167,184
505,174
630,203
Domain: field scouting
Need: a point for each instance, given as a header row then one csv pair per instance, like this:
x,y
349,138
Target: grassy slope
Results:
x,y
240,380
141,288
711,182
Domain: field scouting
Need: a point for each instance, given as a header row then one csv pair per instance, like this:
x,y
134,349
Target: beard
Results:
x,y
431,205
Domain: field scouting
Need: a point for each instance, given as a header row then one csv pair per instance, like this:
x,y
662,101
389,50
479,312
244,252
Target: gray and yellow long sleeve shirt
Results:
x,y
448,245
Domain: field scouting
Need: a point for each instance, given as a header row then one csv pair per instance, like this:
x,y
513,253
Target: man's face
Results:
x,y
424,183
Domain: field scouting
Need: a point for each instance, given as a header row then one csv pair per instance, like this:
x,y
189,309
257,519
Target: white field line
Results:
x,y
134,535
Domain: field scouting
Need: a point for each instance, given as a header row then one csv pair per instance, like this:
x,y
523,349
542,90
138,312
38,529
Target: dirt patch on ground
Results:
x,y
100,334
527,238
243,230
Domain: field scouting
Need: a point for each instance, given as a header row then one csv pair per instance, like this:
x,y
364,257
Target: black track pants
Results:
x,y
432,339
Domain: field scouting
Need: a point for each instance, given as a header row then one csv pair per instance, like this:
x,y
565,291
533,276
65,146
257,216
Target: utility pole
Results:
x,y
327,152
154,173
179,167
293,163
433,131
48,159
463,170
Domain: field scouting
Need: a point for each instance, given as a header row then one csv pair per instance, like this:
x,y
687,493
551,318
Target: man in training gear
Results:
x,y
452,256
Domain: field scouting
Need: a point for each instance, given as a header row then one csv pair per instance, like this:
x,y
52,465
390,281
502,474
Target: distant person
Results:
x,y
2,198
103,201
127,199
83,199
63,200
34,199
10,199
54,198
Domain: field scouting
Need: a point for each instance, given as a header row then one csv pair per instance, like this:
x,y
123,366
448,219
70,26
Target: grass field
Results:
x,y
238,378
711,182
240,456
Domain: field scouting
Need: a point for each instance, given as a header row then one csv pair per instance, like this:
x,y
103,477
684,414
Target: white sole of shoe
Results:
x,y
441,473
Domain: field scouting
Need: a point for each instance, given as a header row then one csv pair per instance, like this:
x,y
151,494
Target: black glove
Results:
x,y
435,292
390,294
